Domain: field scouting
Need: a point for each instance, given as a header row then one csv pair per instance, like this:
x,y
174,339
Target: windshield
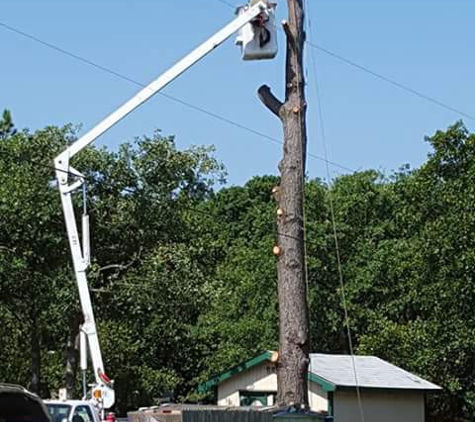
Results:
x,y
58,412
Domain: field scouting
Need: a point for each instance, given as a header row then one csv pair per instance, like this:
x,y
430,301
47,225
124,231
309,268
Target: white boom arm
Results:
x,y
70,180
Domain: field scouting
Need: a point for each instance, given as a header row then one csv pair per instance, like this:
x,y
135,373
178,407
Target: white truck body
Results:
x,y
72,411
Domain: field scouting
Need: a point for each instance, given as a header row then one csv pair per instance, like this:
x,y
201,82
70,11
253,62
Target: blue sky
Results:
x,y
424,44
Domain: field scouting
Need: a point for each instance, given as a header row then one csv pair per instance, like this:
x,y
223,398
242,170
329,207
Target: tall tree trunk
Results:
x,y
72,353
35,356
292,367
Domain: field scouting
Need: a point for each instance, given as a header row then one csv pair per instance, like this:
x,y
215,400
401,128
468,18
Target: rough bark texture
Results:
x,y
292,366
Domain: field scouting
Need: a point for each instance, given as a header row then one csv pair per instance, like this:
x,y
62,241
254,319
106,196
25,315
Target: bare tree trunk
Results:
x,y
72,353
292,367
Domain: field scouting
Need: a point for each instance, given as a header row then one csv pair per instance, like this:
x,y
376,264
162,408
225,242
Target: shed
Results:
x,y
387,392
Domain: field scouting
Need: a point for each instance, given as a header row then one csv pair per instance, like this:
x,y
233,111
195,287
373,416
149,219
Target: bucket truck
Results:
x,y
257,38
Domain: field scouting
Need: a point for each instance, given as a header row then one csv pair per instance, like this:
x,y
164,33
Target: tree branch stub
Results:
x,y
288,33
270,100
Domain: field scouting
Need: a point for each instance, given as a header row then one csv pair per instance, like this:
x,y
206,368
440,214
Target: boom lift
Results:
x,y
257,38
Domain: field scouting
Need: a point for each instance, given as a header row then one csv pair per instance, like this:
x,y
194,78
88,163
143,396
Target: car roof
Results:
x,y
72,402
17,403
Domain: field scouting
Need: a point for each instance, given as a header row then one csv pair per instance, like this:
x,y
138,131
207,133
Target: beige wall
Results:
x,y
263,378
379,406
317,398
259,378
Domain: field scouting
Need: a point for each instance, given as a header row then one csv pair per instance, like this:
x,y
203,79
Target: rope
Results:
x,y
335,234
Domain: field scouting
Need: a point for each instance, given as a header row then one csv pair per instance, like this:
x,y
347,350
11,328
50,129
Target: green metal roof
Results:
x,y
205,387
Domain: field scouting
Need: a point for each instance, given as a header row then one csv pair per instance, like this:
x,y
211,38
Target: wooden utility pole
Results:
x,y
293,361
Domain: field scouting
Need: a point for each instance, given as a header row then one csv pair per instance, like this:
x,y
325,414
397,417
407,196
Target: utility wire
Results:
x,y
334,228
132,191
127,190
68,53
382,77
168,96
227,4
391,81
37,163
332,212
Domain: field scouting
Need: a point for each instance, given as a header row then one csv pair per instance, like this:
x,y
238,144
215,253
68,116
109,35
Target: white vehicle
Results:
x,y
257,38
72,411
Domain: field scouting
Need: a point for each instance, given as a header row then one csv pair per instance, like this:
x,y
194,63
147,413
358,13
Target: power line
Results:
x,y
68,53
391,81
128,190
227,3
382,77
37,163
168,96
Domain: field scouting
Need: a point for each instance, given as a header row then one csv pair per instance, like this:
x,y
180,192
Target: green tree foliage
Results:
x,y
147,276
7,128
30,225
407,248
241,319
425,275
183,277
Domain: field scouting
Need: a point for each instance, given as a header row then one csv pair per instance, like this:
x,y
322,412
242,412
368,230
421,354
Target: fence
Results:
x,y
226,415
200,413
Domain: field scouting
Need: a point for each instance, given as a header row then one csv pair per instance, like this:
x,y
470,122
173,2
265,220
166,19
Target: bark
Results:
x,y
72,354
292,366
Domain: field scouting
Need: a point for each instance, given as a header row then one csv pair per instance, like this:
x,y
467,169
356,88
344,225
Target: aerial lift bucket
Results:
x,y
258,38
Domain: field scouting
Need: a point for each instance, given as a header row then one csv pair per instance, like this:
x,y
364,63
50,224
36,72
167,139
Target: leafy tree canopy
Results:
x,y
183,277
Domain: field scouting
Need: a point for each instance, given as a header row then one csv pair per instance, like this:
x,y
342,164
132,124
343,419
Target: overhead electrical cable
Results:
x,y
392,81
227,3
168,96
132,191
382,77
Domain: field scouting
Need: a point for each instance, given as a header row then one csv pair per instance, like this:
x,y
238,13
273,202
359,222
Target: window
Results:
x,y
271,369
58,412
256,398
83,414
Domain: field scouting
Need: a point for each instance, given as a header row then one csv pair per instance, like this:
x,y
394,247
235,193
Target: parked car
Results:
x,y
17,404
